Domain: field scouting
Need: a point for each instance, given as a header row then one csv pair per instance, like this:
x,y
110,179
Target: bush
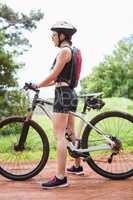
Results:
x,y
13,103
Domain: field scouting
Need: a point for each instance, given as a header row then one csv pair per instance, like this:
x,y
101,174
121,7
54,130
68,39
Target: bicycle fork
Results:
x,y
25,128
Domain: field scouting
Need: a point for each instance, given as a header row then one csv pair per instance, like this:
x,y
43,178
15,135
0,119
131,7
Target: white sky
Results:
x,y
100,23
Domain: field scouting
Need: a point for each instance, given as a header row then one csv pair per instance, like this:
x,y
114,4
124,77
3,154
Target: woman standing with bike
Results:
x,y
65,99
106,143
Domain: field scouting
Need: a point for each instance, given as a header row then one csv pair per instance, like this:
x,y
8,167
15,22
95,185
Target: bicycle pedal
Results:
x,y
68,137
77,143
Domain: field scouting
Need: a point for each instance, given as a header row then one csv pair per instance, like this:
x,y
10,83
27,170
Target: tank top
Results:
x,y
65,74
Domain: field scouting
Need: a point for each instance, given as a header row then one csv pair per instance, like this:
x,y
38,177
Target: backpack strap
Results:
x,y
72,66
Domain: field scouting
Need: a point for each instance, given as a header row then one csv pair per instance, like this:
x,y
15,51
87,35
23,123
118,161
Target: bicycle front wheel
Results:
x,y
120,126
28,162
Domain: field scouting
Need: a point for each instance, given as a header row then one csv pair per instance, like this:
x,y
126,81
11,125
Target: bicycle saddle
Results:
x,y
91,95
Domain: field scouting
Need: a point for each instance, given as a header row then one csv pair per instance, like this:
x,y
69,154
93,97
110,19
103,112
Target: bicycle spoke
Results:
x,y
117,125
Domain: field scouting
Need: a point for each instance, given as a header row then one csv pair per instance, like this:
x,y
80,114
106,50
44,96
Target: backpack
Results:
x,y
76,67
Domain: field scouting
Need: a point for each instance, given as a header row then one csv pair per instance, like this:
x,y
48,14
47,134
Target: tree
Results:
x,y
113,76
13,42
13,25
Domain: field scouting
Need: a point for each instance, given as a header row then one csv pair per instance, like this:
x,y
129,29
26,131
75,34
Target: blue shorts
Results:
x,y
65,100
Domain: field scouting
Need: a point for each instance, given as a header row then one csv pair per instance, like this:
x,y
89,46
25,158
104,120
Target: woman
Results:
x,y
65,100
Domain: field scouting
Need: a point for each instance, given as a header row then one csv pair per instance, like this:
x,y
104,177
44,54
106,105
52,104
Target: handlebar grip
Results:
x,y
26,86
29,86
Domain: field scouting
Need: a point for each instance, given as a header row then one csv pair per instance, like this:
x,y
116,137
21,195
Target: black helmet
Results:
x,y
64,27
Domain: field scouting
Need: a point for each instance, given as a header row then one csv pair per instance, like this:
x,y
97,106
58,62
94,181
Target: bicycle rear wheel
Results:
x,y
23,164
119,125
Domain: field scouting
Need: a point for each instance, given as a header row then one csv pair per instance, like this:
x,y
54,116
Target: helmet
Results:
x,y
64,27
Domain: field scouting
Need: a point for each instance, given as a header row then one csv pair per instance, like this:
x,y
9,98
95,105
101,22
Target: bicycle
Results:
x,y
106,143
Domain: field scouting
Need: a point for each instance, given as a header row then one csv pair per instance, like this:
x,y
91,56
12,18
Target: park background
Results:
x,y
26,51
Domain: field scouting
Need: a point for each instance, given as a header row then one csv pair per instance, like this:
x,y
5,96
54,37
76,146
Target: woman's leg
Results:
x,y
72,131
59,126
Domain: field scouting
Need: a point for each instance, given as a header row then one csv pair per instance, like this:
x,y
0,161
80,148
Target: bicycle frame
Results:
x,y
42,104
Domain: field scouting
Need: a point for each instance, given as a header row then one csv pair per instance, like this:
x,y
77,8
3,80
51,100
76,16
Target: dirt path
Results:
x,y
90,186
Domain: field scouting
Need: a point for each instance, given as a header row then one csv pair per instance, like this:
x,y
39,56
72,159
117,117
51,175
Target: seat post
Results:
x,y
85,107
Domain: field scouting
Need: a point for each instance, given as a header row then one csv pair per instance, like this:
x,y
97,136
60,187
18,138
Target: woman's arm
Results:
x,y
51,83
63,57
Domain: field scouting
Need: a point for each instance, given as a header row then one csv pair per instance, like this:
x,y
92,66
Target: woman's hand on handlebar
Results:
x,y
31,86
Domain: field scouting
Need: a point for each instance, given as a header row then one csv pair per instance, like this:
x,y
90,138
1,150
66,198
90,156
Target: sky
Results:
x,y
100,24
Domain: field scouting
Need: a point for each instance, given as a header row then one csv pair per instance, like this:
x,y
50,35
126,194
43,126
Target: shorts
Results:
x,y
65,100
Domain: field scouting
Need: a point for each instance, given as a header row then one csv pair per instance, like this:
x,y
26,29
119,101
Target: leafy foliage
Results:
x,y
13,25
13,42
113,76
8,70
15,102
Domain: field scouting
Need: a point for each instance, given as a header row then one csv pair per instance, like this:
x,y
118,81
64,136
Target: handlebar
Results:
x,y
30,86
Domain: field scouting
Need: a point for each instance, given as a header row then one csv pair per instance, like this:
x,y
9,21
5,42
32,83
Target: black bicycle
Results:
x,y
106,141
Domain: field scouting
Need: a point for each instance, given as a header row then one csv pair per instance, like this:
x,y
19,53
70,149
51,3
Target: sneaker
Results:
x,y
55,182
75,170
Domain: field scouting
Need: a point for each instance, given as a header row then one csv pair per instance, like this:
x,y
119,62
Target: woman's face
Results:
x,y
55,38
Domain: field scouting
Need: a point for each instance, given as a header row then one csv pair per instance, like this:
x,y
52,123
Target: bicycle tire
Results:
x,y
113,170
25,164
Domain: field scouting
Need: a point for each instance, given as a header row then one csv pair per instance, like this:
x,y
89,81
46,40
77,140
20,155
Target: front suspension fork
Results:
x,y
23,135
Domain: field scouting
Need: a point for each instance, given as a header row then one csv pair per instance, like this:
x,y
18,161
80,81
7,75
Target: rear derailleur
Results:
x,y
116,148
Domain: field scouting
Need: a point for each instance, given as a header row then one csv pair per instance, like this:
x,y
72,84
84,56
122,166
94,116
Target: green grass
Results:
x,y
46,124
119,104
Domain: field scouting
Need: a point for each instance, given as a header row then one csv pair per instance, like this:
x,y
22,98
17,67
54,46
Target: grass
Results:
x,y
119,104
